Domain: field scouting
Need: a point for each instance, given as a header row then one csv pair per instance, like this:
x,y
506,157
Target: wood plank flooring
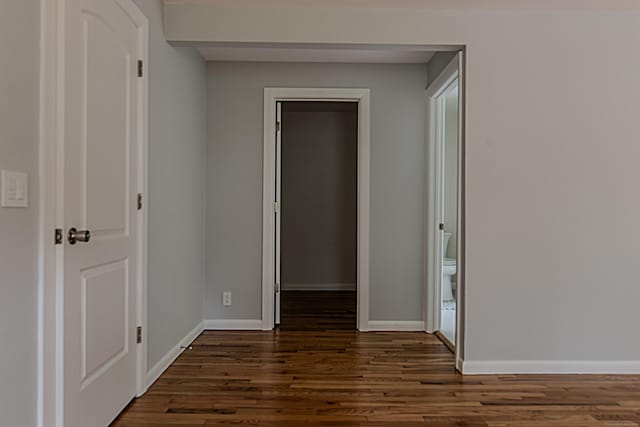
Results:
x,y
313,310
345,378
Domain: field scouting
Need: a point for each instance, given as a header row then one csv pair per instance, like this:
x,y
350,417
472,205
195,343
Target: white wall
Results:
x,y
177,106
319,198
234,180
19,50
552,152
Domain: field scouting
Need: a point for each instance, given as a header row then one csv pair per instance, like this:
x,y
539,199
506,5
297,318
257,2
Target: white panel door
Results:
x,y
102,100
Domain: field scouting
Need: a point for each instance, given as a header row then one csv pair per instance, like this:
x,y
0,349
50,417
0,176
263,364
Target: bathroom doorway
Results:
x,y
448,225
445,208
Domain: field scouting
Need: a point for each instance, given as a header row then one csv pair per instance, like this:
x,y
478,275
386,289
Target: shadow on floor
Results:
x,y
318,310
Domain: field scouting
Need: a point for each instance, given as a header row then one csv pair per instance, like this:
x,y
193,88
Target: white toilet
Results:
x,y
448,270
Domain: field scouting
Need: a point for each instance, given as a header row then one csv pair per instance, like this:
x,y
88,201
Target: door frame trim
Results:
x,y
50,362
271,96
432,304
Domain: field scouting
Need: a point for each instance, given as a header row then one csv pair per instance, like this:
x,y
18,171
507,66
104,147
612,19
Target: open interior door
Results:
x,y
102,136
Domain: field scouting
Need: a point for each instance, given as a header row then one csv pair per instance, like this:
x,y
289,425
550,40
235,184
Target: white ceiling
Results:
x,y
430,4
290,54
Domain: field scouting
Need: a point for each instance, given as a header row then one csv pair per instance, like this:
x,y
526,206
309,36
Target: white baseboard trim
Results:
x,y
233,324
550,367
319,287
395,325
154,373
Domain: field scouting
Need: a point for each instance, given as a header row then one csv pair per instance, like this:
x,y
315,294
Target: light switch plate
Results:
x,y
15,189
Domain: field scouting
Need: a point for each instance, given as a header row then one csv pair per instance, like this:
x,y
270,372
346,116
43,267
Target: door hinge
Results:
x,y
140,68
441,227
58,236
277,287
276,207
138,334
139,201
277,126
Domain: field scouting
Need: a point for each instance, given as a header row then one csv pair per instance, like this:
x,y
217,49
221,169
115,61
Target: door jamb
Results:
x,y
50,387
454,70
271,96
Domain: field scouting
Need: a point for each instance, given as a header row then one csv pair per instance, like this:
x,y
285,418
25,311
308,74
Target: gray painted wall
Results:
x,y
319,197
551,155
234,180
177,106
19,50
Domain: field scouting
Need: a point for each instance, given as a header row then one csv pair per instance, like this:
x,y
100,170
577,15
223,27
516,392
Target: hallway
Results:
x,y
342,378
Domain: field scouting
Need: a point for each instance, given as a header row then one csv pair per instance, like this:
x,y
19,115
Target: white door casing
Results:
x,y
272,98
278,214
93,165
461,255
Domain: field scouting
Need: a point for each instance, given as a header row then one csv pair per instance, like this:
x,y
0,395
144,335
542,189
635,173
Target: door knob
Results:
x,y
75,236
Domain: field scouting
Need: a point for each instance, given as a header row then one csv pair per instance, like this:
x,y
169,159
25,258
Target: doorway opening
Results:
x,y
316,209
316,221
446,208
448,179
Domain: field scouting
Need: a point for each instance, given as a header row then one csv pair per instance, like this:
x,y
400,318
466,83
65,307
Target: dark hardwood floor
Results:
x,y
346,378
307,310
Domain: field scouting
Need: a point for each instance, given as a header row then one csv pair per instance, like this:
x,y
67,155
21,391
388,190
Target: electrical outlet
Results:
x,y
226,299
